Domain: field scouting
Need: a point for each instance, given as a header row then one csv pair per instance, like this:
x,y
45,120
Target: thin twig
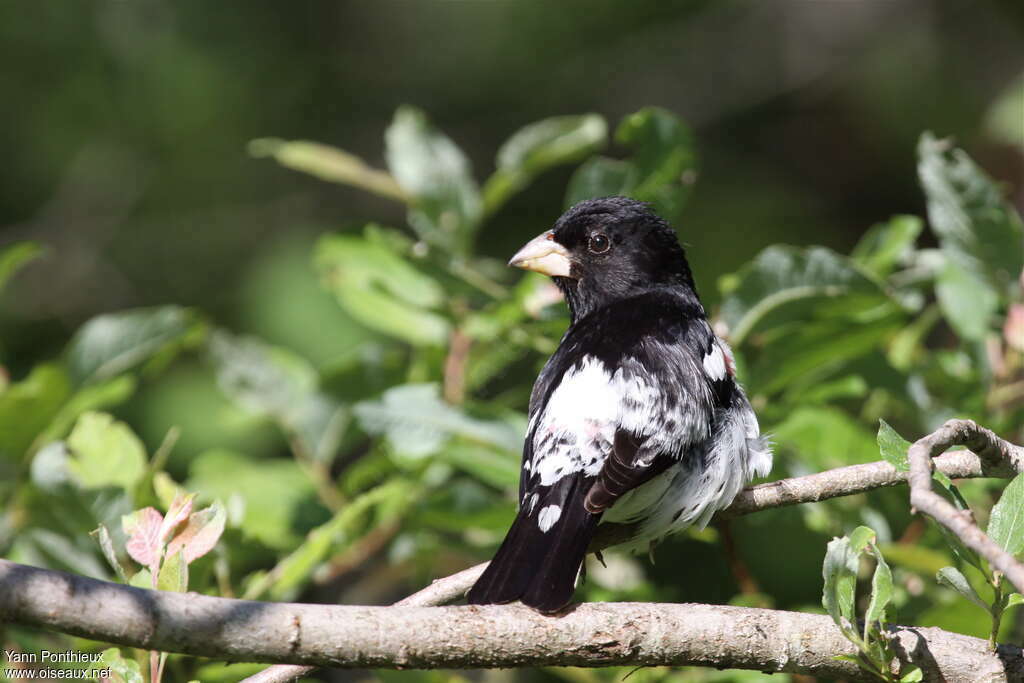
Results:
x,y
990,449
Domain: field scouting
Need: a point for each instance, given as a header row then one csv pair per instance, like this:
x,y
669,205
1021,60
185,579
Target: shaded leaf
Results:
x,y
142,528
781,276
102,535
967,302
28,406
953,578
1006,523
274,382
537,147
893,447
382,290
110,344
434,173
840,574
105,453
16,256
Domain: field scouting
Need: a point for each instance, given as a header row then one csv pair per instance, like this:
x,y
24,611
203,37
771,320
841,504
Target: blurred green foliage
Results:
x,y
403,438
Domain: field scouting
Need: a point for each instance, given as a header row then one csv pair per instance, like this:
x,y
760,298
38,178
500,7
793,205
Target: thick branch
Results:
x,y
602,634
990,449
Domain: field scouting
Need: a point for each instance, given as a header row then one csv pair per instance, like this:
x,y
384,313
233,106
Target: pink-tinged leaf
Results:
x,y
143,530
177,514
1013,329
201,534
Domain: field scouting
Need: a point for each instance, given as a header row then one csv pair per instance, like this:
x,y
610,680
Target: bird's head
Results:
x,y
604,250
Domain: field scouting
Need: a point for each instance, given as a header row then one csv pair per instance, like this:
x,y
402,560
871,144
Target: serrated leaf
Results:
x,y
142,528
274,382
886,245
893,447
954,578
539,146
105,453
781,277
102,535
417,422
113,343
1006,523
433,172
840,574
201,534
16,256
327,163
173,574
381,289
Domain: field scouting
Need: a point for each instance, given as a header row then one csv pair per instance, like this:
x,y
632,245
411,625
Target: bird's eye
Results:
x,y
599,243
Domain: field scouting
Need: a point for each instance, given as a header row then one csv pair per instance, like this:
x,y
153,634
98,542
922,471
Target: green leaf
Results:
x,y
912,674
102,535
276,383
142,579
968,303
381,289
173,574
111,344
417,422
1014,599
953,578
500,469
840,574
781,276
92,397
15,256
861,538
105,453
887,245
122,670
434,173
893,447
977,228
539,146
660,171
328,163
272,493
881,589
1006,523
1002,121
28,406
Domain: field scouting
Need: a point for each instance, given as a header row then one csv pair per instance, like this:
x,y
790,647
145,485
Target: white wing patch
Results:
x,y
714,363
548,516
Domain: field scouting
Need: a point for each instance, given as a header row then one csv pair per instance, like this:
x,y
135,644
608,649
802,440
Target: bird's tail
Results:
x,y
537,566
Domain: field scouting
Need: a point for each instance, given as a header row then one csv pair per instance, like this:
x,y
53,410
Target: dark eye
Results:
x,y
599,243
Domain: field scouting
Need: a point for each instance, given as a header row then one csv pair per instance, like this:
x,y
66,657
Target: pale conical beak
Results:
x,y
544,255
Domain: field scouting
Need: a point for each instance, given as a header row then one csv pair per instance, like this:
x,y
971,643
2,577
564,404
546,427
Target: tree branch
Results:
x,y
990,449
598,634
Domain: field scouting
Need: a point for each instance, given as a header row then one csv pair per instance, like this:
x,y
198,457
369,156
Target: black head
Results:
x,y
604,250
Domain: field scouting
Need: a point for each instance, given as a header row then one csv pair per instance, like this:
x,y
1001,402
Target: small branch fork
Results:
x,y
408,634
990,449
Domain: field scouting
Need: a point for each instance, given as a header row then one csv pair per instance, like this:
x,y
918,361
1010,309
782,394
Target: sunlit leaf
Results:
x,y
840,574
893,447
142,528
105,453
445,204
28,406
177,514
968,303
881,589
173,574
381,289
953,578
201,534
1006,523
886,245
102,535
110,344
121,670
537,147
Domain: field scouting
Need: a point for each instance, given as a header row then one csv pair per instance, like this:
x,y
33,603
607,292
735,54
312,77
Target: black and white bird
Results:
x,y
637,417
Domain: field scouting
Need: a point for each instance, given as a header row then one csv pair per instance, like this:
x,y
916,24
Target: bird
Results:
x,y
636,418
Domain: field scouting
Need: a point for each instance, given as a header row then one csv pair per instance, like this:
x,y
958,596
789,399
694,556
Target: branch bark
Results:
x,y
598,634
990,449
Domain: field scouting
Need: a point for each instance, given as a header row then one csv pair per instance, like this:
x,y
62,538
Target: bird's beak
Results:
x,y
544,255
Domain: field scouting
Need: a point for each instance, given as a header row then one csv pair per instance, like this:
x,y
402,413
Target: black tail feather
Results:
x,y
540,567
